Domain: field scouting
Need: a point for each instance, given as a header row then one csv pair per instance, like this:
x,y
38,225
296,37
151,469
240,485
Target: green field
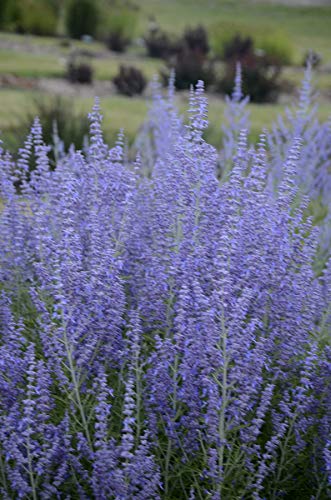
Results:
x,y
30,57
29,65
121,112
307,27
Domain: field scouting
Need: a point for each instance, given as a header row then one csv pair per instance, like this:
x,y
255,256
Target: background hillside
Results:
x,y
34,68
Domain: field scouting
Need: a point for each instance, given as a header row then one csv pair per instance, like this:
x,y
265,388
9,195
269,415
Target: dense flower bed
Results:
x,y
164,332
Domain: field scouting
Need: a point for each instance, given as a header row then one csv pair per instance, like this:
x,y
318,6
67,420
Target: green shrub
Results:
x,y
82,18
54,112
40,20
222,33
5,7
36,17
119,28
274,43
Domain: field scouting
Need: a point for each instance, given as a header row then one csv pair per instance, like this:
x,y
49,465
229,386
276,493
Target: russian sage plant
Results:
x,y
164,333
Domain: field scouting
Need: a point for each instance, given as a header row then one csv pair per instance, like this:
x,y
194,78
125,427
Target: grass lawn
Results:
x,y
106,69
37,65
129,113
261,117
36,57
119,111
31,65
49,42
307,27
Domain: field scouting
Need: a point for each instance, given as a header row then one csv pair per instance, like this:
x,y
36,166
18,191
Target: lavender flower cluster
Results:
x,y
164,333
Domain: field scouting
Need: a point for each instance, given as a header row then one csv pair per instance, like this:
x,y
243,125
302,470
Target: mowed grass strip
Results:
x,y
41,65
31,65
121,112
118,111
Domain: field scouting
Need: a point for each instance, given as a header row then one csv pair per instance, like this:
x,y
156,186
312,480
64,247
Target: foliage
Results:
x,y
274,43
159,43
189,67
130,81
236,119
260,80
119,28
196,40
62,125
238,48
260,73
166,336
186,56
313,58
5,13
79,70
82,18
315,159
189,61
163,45
36,17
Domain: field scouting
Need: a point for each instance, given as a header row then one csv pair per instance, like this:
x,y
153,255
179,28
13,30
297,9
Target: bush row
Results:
x,y
261,77
193,56
111,21
190,63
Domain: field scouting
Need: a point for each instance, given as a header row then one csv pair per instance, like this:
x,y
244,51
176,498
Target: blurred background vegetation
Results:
x,y
56,55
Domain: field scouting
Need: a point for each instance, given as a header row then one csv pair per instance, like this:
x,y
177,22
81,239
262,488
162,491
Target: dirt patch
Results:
x,y
18,82
58,86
